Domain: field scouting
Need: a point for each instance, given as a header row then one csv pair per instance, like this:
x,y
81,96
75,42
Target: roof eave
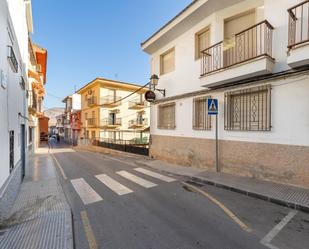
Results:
x,y
189,9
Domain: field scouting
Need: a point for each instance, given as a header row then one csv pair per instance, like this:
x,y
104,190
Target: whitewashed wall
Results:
x,y
185,78
290,101
12,97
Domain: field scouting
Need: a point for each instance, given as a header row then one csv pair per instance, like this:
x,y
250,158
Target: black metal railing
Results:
x,y
111,121
137,103
12,59
123,145
91,121
138,122
110,100
249,44
92,101
298,24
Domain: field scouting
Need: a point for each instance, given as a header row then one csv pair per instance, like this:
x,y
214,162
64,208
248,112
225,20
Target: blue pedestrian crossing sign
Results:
x,y
212,106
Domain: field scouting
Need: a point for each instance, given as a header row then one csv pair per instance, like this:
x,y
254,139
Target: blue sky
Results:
x,y
96,38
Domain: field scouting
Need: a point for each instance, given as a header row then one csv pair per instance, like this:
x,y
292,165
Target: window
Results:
x,y
93,134
201,119
238,23
166,116
202,41
11,151
167,61
30,135
248,109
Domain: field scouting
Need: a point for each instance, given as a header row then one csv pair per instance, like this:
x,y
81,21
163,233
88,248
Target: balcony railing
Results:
x,y
92,101
298,24
249,44
111,122
138,122
110,100
12,59
137,104
91,121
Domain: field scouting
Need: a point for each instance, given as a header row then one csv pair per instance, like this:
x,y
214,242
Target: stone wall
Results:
x,y
275,162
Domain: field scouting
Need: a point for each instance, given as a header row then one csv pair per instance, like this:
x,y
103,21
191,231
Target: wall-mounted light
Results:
x,y
154,79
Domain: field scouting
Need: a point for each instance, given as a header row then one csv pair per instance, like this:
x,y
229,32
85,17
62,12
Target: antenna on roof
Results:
x,y
75,88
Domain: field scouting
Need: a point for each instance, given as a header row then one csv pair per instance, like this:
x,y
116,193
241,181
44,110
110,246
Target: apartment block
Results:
x,y
112,110
251,55
72,104
36,93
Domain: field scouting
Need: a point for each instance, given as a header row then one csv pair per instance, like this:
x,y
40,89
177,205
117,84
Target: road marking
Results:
x,y
113,185
218,203
59,167
155,175
273,233
88,230
136,179
85,192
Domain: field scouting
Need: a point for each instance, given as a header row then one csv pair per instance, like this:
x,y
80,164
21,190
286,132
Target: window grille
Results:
x,y
248,109
11,151
201,119
166,116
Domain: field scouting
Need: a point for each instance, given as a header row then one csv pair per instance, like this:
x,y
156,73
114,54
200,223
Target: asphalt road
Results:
x,y
163,214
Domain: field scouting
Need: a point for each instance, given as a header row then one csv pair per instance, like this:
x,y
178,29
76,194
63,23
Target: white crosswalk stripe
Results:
x,y
85,192
136,179
155,175
113,184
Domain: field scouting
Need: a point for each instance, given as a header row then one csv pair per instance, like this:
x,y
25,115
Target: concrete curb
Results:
x,y
264,197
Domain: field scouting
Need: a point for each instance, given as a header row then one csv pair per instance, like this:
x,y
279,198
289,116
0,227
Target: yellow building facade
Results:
x,y
113,110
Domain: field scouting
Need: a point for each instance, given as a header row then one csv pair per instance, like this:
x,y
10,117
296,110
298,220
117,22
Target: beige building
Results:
x,y
113,110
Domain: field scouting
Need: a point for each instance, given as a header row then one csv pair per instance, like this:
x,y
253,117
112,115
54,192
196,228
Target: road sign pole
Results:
x,y
217,152
213,110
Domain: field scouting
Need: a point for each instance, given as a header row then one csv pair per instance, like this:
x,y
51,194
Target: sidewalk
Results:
x,y
294,197
41,217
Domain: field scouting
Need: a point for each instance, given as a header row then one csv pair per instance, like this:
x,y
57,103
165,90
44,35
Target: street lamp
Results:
x,y
154,79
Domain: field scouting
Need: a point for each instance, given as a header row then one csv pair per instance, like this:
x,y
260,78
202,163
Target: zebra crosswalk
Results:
x,y
117,187
88,195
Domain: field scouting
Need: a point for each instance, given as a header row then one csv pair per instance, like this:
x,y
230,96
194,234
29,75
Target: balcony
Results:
x,y
91,122
12,59
298,41
92,101
138,123
110,123
137,104
248,54
110,101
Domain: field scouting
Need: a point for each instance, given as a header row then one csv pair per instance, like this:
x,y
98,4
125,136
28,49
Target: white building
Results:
x,y
253,57
15,25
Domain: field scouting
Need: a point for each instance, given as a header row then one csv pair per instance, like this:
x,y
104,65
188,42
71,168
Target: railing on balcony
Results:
x,y
138,122
91,121
12,59
137,103
92,101
111,122
110,100
249,44
298,24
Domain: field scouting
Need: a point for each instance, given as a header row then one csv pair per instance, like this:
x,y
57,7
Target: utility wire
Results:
x,y
119,100
129,94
